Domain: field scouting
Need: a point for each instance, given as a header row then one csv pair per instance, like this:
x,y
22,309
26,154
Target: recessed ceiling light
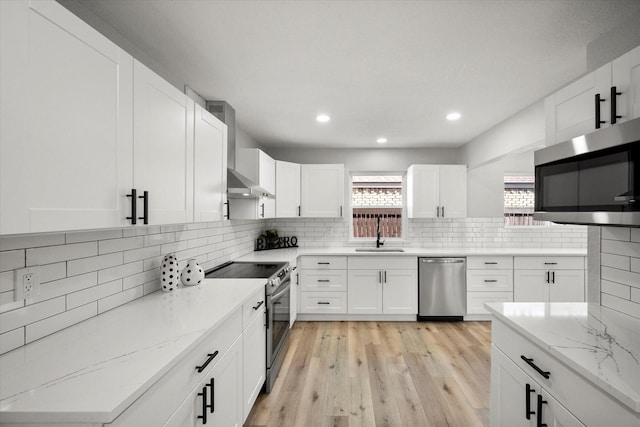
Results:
x,y
453,116
322,118
381,140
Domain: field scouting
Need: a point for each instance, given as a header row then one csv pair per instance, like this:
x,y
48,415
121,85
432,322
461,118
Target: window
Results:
x,y
376,197
519,198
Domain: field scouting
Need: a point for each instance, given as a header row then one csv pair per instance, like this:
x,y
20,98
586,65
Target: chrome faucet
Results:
x,y
378,242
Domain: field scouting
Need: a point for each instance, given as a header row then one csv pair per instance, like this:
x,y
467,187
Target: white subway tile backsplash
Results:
x,y
620,276
52,254
31,313
7,297
10,260
90,236
51,272
99,262
615,261
65,286
141,230
119,245
620,248
635,264
7,281
94,293
24,241
113,301
9,306
60,321
159,239
141,278
616,289
635,234
635,295
616,233
142,253
625,306
11,340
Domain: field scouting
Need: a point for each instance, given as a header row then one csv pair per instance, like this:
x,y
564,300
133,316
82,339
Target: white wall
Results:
x,y
520,132
367,160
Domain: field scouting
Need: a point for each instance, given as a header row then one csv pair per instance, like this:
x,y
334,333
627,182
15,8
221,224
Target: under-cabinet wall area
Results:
x,y
85,273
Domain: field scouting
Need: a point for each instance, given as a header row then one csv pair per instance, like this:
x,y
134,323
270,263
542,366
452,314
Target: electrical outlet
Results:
x,y
27,282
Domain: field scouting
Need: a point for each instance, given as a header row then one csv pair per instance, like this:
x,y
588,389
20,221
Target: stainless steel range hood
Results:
x,y
238,185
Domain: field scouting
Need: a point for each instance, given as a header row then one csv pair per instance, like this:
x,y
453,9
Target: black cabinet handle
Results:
x,y
227,214
490,281
324,263
211,357
299,210
256,307
614,98
547,275
528,390
134,204
324,303
443,212
203,417
438,211
545,374
553,277
598,101
324,280
550,263
385,276
145,215
262,210
539,422
212,385
491,263
340,211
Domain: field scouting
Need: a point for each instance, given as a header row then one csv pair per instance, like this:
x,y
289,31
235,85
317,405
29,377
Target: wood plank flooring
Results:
x,y
392,374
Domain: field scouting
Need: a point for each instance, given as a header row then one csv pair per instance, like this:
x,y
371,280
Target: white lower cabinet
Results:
x,y
254,344
544,279
323,284
381,285
217,399
489,279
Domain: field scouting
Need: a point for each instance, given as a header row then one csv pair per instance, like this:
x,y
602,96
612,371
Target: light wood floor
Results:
x,y
381,374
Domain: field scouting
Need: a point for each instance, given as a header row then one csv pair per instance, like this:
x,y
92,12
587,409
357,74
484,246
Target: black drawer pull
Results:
x,y
134,204
324,280
598,100
205,406
324,263
614,113
490,263
145,204
490,280
550,263
545,374
258,306
211,357
528,390
324,302
212,402
539,422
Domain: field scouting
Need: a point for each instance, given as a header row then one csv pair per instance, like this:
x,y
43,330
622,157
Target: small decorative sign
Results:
x,y
267,243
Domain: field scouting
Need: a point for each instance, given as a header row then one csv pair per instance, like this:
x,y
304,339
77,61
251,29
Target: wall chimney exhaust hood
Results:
x,y
238,185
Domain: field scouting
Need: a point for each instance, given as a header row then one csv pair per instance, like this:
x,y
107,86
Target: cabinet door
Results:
x,y
399,291
364,295
321,190
423,191
287,189
567,286
227,391
626,78
209,165
453,191
163,148
509,393
66,122
254,344
267,208
570,112
530,286
556,415
295,293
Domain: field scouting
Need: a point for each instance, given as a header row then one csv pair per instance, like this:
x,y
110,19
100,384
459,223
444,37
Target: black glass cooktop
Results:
x,y
244,270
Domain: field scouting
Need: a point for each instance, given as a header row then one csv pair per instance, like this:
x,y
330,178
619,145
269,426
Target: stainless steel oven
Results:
x,y
278,301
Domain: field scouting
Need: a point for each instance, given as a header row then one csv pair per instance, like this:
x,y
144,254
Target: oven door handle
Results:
x,y
279,294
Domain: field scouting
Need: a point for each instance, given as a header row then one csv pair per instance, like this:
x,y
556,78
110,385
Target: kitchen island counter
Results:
x,y
92,371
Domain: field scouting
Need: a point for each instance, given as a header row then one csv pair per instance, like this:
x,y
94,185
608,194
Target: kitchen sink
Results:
x,y
379,250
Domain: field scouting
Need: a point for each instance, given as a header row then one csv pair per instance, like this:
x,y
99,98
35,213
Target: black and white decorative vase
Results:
x,y
192,274
169,273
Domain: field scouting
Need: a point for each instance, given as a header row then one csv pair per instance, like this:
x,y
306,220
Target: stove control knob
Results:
x,y
274,282
287,269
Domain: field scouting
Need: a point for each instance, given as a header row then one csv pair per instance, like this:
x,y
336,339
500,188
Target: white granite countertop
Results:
x,y
92,371
600,344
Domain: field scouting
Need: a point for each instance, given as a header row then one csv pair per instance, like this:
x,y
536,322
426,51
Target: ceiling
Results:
x,y
377,68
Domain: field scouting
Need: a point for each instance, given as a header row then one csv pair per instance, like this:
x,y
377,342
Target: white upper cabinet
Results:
x,y
322,190
163,148
602,98
287,189
437,191
209,165
66,122
258,166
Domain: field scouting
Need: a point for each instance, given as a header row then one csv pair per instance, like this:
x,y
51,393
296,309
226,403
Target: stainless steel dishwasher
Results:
x,y
442,288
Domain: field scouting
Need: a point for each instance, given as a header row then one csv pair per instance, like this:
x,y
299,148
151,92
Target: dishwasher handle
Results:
x,y
442,260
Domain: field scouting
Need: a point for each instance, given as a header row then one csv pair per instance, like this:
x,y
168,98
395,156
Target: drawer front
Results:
x,y
398,262
549,263
323,280
570,389
323,302
253,307
490,280
157,404
476,300
323,262
490,262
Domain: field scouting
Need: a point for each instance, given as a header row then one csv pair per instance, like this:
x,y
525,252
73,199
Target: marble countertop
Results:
x,y
600,344
291,254
92,371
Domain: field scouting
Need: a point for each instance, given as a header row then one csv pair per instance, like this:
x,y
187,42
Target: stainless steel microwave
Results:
x,y
591,179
